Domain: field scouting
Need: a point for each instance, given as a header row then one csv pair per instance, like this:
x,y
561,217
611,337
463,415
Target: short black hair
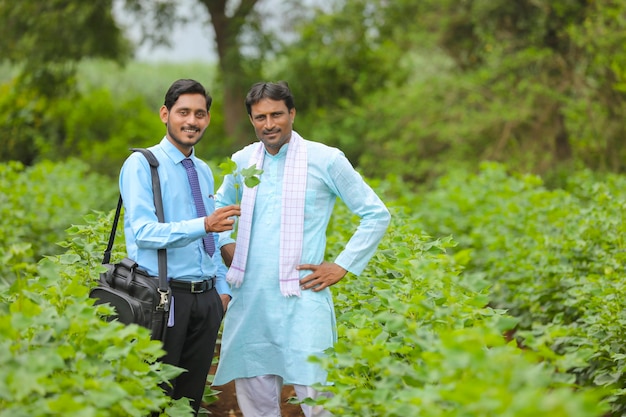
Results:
x,y
186,86
274,91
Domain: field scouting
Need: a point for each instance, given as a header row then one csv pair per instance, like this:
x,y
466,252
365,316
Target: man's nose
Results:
x,y
269,122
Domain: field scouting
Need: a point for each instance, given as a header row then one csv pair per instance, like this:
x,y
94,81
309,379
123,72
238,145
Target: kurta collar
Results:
x,y
282,152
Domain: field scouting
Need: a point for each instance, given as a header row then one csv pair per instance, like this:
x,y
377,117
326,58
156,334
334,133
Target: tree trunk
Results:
x,y
235,117
231,65
562,146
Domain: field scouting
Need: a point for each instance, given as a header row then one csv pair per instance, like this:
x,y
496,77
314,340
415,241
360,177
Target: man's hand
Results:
x,y
225,300
323,275
220,220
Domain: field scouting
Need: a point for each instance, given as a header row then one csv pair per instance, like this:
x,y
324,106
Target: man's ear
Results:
x,y
164,113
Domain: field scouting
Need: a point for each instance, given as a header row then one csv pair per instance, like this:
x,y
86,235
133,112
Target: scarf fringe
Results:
x,y
236,281
288,289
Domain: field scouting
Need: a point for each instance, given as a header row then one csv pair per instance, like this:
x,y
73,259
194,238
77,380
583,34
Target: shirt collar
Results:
x,y
173,153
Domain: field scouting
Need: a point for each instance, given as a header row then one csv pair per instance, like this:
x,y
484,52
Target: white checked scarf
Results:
x,y
291,221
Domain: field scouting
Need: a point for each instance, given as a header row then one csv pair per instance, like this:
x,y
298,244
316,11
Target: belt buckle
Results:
x,y
197,287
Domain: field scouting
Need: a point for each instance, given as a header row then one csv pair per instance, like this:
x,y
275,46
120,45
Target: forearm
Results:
x,y
155,235
228,252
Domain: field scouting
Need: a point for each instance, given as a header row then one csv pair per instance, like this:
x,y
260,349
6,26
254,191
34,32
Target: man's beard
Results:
x,y
177,138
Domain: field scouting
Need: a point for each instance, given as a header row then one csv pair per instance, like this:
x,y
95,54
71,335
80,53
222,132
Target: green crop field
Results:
x,y
490,295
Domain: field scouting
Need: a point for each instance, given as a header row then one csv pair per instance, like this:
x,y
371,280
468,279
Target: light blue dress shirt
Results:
x,y
181,233
266,333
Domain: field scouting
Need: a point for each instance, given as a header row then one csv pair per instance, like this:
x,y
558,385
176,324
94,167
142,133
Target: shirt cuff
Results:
x,y
224,239
351,267
222,287
197,227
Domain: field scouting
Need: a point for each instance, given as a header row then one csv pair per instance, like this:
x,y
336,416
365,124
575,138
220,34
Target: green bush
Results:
x,y
113,109
37,205
101,128
423,331
554,260
417,337
58,357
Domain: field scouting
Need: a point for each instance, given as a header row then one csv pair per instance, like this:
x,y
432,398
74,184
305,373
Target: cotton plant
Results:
x,y
250,177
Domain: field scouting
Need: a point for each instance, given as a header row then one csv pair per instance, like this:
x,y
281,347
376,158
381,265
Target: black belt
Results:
x,y
195,287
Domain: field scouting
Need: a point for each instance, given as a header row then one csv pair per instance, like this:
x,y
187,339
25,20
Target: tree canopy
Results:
x,y
538,84
47,38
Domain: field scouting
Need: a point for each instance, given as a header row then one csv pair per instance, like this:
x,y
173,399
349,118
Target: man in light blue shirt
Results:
x,y
282,310
196,274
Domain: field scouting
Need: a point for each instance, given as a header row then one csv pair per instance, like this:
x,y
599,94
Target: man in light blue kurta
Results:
x,y
265,332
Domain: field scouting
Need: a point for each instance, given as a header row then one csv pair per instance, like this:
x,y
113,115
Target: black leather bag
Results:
x,y
136,296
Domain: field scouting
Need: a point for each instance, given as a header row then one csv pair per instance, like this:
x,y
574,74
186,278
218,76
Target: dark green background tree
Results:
x,y
46,40
431,84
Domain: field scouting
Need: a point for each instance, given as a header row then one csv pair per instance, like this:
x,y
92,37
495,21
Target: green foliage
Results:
x,y
47,39
345,52
228,167
23,120
111,112
100,130
417,337
40,32
93,127
554,259
58,357
423,331
38,203
249,176
567,58
431,84
438,84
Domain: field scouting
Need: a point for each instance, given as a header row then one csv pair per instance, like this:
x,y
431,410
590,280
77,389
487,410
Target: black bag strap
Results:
x,y
107,252
158,203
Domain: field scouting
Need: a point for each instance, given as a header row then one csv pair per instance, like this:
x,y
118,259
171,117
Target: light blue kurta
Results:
x,y
266,333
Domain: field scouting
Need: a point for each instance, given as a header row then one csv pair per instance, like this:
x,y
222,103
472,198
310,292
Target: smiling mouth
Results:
x,y
191,130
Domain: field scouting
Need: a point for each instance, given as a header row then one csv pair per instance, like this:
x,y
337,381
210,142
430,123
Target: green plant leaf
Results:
x,y
228,167
251,182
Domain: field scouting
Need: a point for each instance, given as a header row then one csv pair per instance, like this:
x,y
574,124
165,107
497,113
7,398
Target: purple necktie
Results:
x,y
209,243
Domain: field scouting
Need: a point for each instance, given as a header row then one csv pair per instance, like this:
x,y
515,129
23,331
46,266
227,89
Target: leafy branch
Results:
x,y
250,177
